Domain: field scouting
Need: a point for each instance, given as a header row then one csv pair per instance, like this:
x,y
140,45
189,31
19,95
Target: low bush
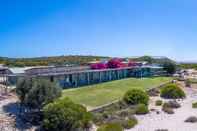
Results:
x,y
161,130
158,102
64,115
136,96
191,119
130,123
167,109
187,83
98,118
110,127
172,91
141,109
173,104
194,105
153,92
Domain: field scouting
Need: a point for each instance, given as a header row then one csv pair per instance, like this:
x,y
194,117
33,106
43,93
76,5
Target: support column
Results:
x,y
99,76
88,75
76,81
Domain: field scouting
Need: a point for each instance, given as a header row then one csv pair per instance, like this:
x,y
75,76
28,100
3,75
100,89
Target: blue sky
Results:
x,y
31,28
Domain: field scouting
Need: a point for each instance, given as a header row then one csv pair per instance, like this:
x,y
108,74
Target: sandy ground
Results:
x,y
7,120
174,122
9,114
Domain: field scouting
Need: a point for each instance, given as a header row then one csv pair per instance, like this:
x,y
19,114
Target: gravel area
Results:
x,y
174,122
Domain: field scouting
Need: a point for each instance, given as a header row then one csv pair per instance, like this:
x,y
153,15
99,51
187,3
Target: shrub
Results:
x,y
153,92
187,83
169,67
136,96
36,93
98,66
130,123
161,130
115,63
172,91
141,109
98,118
194,105
191,119
158,102
64,115
173,104
167,109
110,127
126,113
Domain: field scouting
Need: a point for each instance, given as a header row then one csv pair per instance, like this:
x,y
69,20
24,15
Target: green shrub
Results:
x,y
64,115
172,91
110,127
194,105
130,123
158,102
36,93
141,109
136,96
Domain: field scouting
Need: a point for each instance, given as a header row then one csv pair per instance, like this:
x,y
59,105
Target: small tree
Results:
x,y
169,67
36,93
64,115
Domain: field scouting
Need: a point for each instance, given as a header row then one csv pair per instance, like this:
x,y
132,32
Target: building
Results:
x,y
69,77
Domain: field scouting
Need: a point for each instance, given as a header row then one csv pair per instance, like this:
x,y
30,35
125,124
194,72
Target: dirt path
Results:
x,y
175,122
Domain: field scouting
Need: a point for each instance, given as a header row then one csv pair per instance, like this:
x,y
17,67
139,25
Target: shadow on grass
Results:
x,y
12,110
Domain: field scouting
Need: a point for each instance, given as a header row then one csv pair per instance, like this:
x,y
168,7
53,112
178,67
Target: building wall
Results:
x,y
87,78
92,77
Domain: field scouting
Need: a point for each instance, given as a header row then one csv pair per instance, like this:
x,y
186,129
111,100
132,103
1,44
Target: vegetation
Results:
x,y
111,127
188,66
191,119
44,61
173,104
158,102
36,93
104,93
169,67
188,83
69,60
141,109
194,105
136,96
154,92
118,112
172,91
152,60
130,123
167,109
64,115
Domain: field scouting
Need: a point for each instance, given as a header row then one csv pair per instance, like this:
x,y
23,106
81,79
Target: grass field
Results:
x,y
104,93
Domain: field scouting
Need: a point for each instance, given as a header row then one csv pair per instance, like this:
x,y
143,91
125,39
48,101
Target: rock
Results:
x,y
191,119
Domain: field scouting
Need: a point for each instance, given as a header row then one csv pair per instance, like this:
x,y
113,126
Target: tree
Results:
x,y
170,67
36,93
98,66
115,63
64,115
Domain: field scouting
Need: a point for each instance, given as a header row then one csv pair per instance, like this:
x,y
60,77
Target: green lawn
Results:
x,y
100,94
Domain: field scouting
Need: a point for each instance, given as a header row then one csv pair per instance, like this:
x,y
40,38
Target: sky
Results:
x,y
117,28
